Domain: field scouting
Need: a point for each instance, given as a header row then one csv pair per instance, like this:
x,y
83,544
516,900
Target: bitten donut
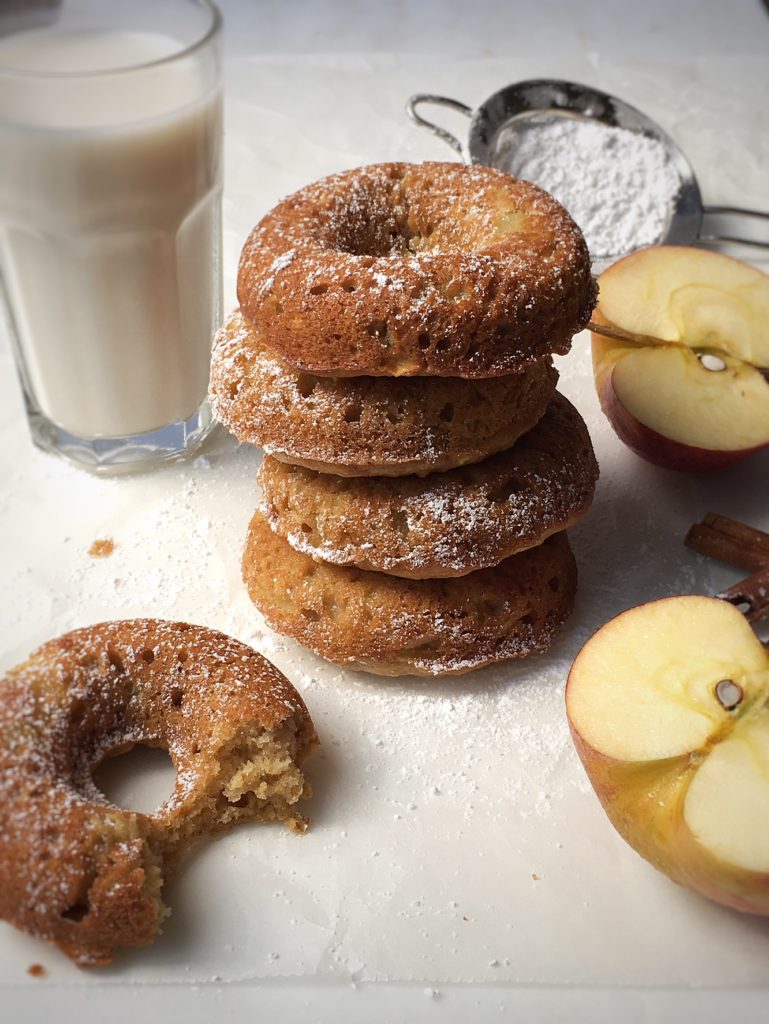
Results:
x,y
445,524
77,870
364,426
393,626
417,269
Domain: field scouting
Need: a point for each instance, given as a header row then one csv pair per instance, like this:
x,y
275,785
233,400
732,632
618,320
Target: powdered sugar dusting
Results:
x,y
445,523
77,870
369,424
407,269
618,185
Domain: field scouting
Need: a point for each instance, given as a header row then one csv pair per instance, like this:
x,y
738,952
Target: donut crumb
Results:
x,y
36,971
102,547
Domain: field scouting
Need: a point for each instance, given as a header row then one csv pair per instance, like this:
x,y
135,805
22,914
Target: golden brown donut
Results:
x,y
393,626
445,524
417,269
84,874
363,426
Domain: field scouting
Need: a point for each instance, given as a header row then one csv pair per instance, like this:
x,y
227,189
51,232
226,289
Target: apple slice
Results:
x,y
691,395
668,708
684,411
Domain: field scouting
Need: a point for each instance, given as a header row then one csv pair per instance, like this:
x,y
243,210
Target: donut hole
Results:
x,y
423,649
305,384
423,341
504,490
310,614
319,289
455,290
114,658
147,655
493,608
377,329
472,352
400,522
447,412
78,710
349,285
177,697
352,413
76,912
529,619
367,229
139,779
330,605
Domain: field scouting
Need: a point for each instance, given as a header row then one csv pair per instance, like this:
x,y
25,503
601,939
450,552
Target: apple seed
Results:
x,y
729,694
710,362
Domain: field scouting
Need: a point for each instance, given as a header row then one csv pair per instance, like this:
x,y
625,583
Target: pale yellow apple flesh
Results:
x,y
727,804
701,299
669,389
668,707
686,392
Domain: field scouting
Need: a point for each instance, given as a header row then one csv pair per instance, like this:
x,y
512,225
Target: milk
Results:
x,y
109,227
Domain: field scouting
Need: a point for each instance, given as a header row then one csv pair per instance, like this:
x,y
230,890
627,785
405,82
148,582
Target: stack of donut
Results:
x,y
392,356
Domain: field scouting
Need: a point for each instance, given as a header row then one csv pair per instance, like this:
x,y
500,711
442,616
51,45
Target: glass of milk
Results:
x,y
110,221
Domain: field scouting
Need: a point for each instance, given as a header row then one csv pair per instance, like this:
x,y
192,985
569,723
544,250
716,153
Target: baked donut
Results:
x,y
363,426
445,524
393,626
77,870
417,269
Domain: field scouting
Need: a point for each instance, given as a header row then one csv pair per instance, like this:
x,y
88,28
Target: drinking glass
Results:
x,y
110,222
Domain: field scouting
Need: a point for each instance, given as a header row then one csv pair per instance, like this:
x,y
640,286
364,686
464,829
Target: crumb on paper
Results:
x,y
37,970
536,878
102,547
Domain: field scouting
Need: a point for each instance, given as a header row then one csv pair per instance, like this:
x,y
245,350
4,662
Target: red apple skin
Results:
x,y
658,449
648,444
644,801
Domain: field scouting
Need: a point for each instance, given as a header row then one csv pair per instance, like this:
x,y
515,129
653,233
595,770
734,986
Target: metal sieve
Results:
x,y
498,122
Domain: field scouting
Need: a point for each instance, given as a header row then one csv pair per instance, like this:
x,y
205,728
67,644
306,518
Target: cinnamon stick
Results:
x,y
750,596
730,541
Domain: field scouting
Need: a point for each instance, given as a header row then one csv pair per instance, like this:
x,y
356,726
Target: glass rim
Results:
x,y
208,36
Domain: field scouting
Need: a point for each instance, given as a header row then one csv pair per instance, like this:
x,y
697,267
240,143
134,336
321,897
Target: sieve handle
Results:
x,y
439,101
731,224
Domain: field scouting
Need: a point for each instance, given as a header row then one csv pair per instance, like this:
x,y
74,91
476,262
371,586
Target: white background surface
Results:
x,y
412,896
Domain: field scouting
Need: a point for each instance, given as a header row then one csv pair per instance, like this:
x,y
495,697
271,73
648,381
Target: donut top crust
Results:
x,y
75,869
444,524
417,269
363,426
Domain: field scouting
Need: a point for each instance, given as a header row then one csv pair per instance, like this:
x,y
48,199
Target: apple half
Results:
x,y
688,391
668,706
